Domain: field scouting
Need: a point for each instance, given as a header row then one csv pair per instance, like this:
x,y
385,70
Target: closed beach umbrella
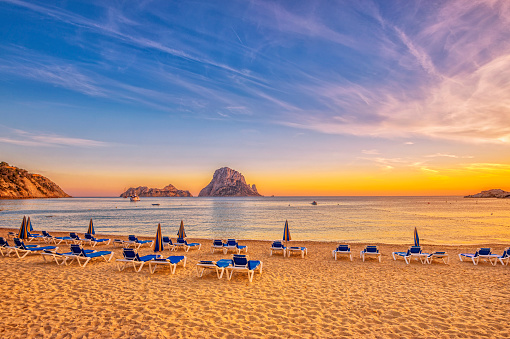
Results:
x,y
158,242
29,223
286,233
91,228
416,238
181,233
23,230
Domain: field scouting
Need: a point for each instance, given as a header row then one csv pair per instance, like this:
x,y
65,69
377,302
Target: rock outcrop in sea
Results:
x,y
17,183
494,193
144,191
227,182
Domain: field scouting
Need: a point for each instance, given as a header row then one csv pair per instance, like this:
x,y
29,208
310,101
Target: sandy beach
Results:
x,y
315,297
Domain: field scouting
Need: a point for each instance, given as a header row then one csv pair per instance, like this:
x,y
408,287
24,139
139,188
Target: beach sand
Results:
x,y
315,297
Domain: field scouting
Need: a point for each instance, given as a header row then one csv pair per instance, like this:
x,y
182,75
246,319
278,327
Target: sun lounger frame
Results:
x,y
167,262
336,252
212,265
364,253
297,249
492,258
278,248
244,268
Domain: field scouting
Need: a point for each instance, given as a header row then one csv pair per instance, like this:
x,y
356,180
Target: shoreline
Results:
x,y
295,297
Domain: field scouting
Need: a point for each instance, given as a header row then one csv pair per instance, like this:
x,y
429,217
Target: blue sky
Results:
x,y
100,95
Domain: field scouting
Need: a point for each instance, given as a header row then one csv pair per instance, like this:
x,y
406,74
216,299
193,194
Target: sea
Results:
x,y
444,220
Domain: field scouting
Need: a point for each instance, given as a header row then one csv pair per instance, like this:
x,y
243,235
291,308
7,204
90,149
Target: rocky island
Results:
x,y
144,191
227,182
494,193
17,183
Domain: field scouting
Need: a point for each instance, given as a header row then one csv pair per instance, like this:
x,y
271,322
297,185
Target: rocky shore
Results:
x,y
494,193
17,183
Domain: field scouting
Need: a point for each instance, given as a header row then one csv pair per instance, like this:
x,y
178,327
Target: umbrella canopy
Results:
x,y
158,242
91,228
23,230
29,223
416,238
181,233
286,233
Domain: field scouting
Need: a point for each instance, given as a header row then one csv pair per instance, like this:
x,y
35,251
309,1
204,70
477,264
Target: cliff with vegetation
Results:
x,y
495,193
227,182
144,191
17,183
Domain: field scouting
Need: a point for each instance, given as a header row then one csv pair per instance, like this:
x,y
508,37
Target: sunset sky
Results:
x,y
302,97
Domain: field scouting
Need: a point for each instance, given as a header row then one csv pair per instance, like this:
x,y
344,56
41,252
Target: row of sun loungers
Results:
x,y
278,247
230,245
371,251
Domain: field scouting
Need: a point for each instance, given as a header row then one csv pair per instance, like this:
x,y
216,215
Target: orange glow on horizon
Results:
x,y
364,183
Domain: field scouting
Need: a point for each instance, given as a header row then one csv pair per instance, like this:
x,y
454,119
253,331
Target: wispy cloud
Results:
x,y
353,70
24,138
463,101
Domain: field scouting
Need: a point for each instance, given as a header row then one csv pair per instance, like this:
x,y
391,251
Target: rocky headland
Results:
x,y
227,182
494,193
17,183
144,191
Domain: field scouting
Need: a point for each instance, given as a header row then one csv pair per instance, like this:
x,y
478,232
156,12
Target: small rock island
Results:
x,y
227,182
144,191
17,183
494,193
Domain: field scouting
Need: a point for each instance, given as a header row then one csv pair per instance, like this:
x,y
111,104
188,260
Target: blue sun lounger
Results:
x,y
23,250
240,263
412,252
277,246
184,244
505,258
342,250
132,258
77,239
95,241
172,262
438,255
233,245
137,243
168,242
84,256
55,256
57,240
4,246
34,236
297,249
482,253
370,251
219,266
47,237
217,245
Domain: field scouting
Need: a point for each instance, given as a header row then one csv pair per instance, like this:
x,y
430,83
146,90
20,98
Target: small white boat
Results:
x,y
134,198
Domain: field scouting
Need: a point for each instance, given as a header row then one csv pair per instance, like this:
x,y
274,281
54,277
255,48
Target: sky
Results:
x,y
303,98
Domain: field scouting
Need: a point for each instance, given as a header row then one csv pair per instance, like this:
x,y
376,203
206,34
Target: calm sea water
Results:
x,y
440,220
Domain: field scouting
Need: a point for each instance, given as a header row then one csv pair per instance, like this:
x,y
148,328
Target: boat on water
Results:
x,y
155,204
134,198
314,203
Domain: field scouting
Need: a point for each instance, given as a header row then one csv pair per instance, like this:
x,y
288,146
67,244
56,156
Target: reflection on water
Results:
x,y
440,220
